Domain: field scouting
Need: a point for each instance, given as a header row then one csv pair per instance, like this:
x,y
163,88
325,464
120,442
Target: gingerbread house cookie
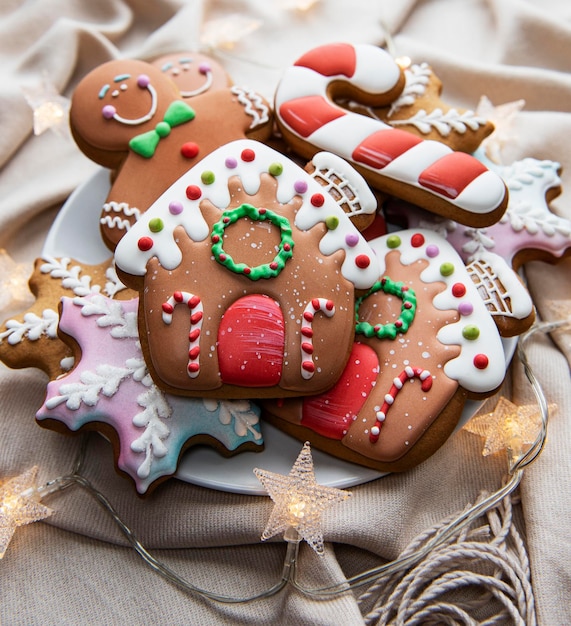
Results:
x,y
247,270
424,343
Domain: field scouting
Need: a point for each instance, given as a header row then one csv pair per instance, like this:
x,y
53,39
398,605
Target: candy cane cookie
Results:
x,y
425,172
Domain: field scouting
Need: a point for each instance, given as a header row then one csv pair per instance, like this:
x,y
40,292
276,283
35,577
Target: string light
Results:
x,y
14,293
509,427
295,492
50,109
299,501
502,117
19,505
227,31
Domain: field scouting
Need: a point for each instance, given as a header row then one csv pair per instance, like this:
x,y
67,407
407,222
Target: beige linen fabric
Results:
x,y
76,569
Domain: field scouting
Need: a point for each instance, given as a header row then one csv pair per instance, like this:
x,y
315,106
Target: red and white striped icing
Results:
x,y
304,107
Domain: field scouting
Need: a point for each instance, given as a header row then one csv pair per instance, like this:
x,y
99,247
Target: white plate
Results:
x,y
75,233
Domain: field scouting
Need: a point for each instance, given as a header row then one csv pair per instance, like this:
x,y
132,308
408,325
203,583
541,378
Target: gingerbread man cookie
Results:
x,y
420,110
247,270
424,343
425,172
31,340
128,115
109,391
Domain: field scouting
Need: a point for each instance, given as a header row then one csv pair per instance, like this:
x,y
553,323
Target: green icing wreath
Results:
x,y
266,270
402,324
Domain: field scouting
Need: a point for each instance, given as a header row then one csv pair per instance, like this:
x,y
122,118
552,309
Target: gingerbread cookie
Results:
x,y
193,73
109,391
247,271
31,339
420,110
528,231
424,342
427,173
127,115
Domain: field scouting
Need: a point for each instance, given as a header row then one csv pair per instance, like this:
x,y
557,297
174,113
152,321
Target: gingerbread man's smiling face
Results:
x,y
193,73
121,89
114,103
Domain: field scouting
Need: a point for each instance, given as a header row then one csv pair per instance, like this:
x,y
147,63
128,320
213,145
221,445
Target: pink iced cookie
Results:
x,y
110,391
527,231
428,173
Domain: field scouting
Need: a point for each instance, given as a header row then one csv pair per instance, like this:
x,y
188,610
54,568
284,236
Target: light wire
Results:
x,y
290,562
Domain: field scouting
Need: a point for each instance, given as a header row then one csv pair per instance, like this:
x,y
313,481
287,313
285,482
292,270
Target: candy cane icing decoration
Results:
x,y
407,374
427,173
327,308
195,305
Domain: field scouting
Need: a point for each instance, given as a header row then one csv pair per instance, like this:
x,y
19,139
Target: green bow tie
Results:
x,y
177,113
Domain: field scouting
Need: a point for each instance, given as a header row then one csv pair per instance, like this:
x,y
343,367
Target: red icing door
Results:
x,y
331,413
251,342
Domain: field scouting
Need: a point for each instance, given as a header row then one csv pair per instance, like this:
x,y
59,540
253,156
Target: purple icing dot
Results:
x,y
231,163
300,186
432,251
143,80
108,111
175,208
351,239
465,308
204,68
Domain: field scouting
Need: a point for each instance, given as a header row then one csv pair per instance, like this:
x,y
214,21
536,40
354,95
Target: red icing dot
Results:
x,y
317,199
308,366
417,240
168,308
193,367
329,305
481,361
177,295
194,301
248,155
194,334
193,192
247,270
189,150
194,352
145,243
307,347
362,261
215,238
458,290
306,331
196,317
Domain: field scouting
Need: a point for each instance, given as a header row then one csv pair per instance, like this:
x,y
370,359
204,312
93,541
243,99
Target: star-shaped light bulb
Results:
x,y
299,5
508,427
14,293
502,117
49,107
19,505
299,501
226,32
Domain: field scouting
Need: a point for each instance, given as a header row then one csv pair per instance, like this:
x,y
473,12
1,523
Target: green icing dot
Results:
x,y
207,177
447,269
470,332
276,169
332,222
156,225
393,241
